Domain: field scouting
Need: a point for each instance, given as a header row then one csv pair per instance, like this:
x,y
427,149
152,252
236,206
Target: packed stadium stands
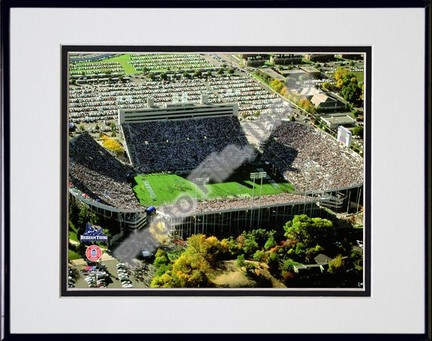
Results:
x,y
313,160
174,145
99,175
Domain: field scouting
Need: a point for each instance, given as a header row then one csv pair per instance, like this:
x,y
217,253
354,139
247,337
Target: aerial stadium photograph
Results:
x,y
218,170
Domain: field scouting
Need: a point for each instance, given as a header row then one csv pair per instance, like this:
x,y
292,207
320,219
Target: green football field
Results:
x,y
156,189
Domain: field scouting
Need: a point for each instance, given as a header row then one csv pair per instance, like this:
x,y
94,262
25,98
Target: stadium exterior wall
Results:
x,y
228,221
127,219
225,222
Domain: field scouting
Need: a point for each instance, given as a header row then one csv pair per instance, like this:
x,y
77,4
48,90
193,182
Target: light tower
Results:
x,y
199,182
254,176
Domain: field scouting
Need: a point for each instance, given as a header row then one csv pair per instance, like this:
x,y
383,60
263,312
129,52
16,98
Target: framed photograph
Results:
x,y
234,161
218,170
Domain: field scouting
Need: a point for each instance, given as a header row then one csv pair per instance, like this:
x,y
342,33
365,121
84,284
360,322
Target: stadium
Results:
x,y
289,168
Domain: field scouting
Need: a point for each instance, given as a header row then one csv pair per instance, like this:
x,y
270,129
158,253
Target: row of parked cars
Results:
x,y
71,279
95,276
123,275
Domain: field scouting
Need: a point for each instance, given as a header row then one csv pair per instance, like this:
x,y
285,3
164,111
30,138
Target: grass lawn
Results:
x,y
123,60
73,255
157,189
359,75
73,236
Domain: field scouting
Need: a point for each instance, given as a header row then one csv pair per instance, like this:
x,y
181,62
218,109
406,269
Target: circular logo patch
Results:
x,y
93,253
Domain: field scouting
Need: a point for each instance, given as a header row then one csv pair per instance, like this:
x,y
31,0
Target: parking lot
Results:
x,y
110,274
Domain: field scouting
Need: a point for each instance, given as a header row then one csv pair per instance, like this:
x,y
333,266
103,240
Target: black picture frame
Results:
x,y
6,8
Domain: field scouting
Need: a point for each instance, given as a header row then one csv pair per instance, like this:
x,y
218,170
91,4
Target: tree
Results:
x,y
308,231
341,73
111,144
271,242
273,262
304,103
250,246
230,246
326,86
85,215
351,92
254,240
193,265
336,265
357,131
240,260
276,85
259,256
288,264
160,258
356,258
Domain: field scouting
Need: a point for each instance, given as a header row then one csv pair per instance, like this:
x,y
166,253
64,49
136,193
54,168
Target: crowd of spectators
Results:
x,y
311,159
176,145
99,175
245,202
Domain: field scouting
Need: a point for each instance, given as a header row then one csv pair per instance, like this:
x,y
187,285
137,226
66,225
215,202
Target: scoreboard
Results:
x,y
344,136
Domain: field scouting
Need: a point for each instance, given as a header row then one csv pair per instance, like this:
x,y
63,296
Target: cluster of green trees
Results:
x,y
357,131
189,268
348,86
300,240
295,98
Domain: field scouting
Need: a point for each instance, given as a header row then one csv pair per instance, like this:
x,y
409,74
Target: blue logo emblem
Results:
x,y
92,234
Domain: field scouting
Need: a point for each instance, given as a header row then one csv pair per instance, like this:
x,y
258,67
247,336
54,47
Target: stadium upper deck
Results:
x,y
179,137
